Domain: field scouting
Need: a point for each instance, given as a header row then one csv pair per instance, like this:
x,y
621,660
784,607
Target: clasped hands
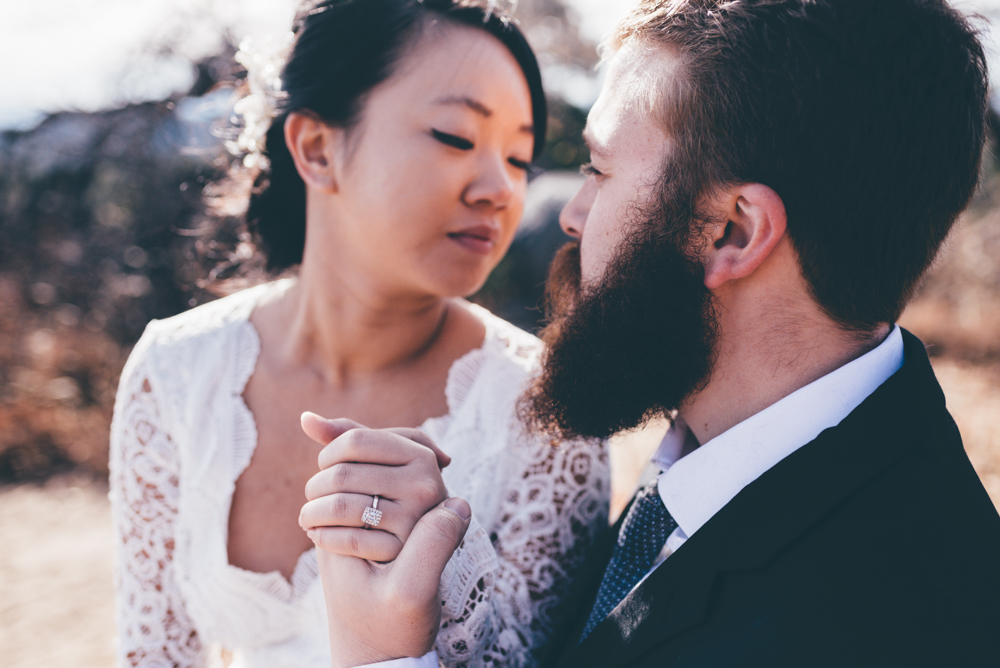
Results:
x,y
380,584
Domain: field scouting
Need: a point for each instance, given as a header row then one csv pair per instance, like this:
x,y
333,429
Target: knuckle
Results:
x,y
340,476
419,437
427,457
428,493
354,440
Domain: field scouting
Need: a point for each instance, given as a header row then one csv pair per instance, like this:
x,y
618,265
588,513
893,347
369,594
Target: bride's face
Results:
x,y
432,181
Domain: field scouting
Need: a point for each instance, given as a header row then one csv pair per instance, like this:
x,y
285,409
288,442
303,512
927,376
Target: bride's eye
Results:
x,y
451,140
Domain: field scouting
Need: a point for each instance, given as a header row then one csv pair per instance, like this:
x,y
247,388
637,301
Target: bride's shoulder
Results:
x,y
490,378
507,342
204,328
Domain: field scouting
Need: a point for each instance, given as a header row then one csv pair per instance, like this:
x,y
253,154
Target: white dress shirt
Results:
x,y
695,482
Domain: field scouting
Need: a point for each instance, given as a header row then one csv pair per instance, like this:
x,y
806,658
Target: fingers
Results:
x,y
322,430
423,439
375,446
417,570
346,510
373,545
389,482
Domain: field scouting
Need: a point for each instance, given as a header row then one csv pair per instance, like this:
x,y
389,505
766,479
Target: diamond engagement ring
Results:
x,y
372,515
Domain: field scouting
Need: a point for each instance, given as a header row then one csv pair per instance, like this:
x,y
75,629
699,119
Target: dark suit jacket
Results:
x,y
873,545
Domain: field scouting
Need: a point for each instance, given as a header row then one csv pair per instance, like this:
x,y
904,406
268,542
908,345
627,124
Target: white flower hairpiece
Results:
x,y
263,60
508,8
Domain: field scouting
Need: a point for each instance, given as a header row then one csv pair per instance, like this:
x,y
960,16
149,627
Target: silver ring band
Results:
x,y
372,515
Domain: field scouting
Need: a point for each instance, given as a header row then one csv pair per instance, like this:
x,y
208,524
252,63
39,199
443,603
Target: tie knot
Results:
x,y
647,518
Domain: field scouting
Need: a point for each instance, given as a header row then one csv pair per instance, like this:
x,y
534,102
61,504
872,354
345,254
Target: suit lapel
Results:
x,y
673,598
760,521
821,474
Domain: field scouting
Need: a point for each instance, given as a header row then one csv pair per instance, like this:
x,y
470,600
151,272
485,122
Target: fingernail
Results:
x,y
460,507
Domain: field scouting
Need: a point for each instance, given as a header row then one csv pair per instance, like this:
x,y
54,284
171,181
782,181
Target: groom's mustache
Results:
x,y
562,288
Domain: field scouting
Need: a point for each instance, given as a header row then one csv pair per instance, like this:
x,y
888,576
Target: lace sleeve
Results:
x,y
153,627
502,590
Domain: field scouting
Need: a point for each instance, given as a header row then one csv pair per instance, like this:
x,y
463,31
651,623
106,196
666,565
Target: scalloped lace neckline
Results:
x,y
461,376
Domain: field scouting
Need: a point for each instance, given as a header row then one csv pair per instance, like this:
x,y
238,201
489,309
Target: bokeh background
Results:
x,y
113,118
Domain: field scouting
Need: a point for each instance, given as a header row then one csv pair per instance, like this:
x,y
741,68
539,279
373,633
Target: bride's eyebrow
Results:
x,y
478,107
465,101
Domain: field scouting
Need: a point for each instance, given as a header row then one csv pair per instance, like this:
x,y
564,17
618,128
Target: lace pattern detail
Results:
x,y
182,435
153,626
501,592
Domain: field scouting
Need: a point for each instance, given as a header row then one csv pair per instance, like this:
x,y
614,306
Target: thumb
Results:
x,y
417,570
322,430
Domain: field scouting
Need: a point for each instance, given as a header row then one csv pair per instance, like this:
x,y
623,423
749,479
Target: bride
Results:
x,y
393,176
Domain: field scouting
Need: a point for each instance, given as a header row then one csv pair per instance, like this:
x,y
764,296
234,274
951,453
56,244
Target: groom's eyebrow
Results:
x,y
476,106
593,145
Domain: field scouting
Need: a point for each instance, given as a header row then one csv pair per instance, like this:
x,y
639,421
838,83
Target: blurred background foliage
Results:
x,y
103,227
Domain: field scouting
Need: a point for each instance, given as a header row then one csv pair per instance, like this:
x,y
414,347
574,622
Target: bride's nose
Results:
x,y
492,185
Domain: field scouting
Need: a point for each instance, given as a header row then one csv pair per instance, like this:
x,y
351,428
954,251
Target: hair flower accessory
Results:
x,y
263,60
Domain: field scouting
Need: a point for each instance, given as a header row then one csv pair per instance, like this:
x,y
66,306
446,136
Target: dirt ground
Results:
x,y
56,598
56,604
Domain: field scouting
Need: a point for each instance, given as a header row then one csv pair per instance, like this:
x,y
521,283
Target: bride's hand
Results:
x,y
401,466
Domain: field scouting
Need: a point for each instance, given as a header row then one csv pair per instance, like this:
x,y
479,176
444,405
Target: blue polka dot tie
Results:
x,y
640,540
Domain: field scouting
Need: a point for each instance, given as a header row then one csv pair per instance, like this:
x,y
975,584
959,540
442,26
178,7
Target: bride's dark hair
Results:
x,y
343,49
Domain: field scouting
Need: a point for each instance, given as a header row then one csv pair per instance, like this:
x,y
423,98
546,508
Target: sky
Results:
x,y
95,54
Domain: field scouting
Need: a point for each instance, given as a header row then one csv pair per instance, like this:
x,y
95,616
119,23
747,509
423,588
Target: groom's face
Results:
x,y
627,150
632,327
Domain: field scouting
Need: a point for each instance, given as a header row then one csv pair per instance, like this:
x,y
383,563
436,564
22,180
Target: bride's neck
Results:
x,y
344,331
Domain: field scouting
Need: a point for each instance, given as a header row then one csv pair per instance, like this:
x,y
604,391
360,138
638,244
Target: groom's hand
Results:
x,y
401,466
378,612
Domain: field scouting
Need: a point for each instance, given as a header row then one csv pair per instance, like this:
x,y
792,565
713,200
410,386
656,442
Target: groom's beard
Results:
x,y
627,350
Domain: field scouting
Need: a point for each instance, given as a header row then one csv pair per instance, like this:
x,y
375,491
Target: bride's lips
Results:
x,y
479,239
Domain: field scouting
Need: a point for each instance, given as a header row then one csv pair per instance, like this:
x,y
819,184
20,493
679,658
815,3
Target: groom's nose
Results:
x,y
574,215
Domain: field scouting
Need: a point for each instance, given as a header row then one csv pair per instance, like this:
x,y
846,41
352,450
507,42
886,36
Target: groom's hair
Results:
x,y
867,117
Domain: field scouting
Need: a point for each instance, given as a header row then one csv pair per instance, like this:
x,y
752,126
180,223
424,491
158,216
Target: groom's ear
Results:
x,y
749,222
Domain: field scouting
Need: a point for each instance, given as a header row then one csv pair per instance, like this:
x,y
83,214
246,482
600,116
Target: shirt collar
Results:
x,y
698,482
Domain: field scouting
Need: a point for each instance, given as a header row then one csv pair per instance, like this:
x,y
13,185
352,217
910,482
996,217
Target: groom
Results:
x,y
770,179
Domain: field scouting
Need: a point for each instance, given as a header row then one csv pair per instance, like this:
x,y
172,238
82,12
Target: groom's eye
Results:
x,y
588,169
520,164
451,140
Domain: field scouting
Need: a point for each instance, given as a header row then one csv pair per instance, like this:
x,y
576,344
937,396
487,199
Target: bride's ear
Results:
x,y
314,146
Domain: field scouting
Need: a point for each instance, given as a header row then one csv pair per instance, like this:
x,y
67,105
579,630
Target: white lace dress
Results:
x,y
182,435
